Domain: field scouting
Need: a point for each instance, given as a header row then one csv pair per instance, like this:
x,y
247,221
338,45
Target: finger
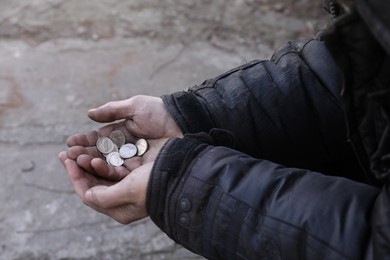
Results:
x,y
131,190
62,157
125,201
83,139
105,197
90,139
112,111
79,180
84,161
124,214
114,196
76,151
103,170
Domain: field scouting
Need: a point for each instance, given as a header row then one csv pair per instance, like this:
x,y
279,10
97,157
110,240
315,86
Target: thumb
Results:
x,y
131,190
112,111
105,197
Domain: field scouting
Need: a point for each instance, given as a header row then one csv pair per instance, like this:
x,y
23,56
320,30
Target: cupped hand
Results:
x,y
124,201
139,116
145,116
119,192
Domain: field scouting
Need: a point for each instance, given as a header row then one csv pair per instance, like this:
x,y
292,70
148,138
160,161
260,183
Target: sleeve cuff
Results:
x,y
188,112
168,170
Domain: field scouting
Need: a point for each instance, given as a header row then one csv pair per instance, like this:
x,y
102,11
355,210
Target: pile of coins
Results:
x,y
116,150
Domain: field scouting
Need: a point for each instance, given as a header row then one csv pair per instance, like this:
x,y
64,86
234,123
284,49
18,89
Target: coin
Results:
x,y
105,145
142,146
114,159
115,149
117,137
128,151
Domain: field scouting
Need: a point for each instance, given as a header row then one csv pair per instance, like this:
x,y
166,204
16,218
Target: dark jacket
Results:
x,y
282,174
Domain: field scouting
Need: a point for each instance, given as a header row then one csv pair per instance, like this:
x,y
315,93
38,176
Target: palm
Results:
x,y
122,200
144,116
140,116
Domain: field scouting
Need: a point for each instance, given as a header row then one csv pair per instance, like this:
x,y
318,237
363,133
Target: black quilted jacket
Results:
x,y
282,174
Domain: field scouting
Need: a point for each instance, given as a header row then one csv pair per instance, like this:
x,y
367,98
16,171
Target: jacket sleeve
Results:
x,y
223,204
287,109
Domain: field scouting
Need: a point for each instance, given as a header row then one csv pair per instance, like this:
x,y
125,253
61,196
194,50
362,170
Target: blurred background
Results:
x,y
60,58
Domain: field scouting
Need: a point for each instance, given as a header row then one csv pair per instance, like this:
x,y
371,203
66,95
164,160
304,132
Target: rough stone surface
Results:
x,y
60,58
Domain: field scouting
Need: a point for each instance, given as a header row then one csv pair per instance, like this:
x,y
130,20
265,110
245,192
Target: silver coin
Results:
x,y
142,146
114,159
128,151
117,137
105,145
115,150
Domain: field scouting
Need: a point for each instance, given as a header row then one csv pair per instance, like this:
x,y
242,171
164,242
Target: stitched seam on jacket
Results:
x,y
212,84
308,235
326,90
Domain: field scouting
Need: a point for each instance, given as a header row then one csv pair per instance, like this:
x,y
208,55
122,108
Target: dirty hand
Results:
x,y
124,200
145,116
90,160
119,192
141,116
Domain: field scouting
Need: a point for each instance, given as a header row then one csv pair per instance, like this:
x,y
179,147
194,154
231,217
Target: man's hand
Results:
x,y
124,201
119,192
140,116
93,162
145,116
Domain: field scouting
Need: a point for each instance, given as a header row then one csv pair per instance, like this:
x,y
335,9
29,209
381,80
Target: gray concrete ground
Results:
x,y
60,58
